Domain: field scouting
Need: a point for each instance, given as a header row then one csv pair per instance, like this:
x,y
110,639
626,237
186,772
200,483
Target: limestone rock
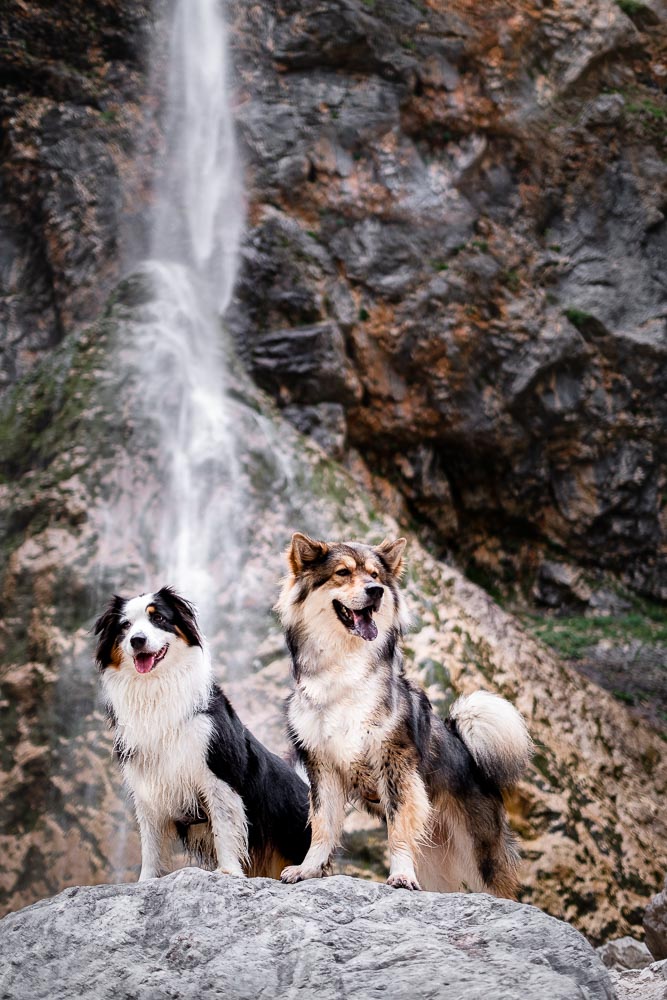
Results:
x,y
655,924
306,364
488,194
195,934
625,953
559,584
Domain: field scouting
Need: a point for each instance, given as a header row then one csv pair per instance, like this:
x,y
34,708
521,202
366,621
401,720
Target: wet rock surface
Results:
x,y
201,934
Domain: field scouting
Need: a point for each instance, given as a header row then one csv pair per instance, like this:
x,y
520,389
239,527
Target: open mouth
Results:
x,y
358,621
145,662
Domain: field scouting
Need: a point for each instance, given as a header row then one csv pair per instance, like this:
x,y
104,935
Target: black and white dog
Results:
x,y
192,767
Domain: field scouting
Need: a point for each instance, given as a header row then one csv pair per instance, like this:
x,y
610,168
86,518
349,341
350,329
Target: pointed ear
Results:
x,y
185,615
304,552
107,628
391,554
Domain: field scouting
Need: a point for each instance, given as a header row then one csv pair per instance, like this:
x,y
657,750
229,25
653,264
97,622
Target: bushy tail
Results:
x,y
495,734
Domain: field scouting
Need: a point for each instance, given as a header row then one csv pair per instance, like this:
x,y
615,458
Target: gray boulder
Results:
x,y
625,953
655,924
197,934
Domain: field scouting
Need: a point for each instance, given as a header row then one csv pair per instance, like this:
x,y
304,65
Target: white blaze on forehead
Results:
x,y
141,624
137,606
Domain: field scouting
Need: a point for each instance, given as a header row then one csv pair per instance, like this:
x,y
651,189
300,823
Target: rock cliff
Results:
x,y
455,255
72,168
588,815
456,262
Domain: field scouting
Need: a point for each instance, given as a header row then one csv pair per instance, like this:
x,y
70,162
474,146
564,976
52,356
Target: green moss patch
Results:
x,y
572,635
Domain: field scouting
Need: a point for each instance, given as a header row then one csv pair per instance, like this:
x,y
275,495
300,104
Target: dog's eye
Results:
x,y
342,572
374,575
158,618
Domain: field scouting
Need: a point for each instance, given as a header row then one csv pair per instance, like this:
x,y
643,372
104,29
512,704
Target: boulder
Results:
x,y
195,934
655,924
625,953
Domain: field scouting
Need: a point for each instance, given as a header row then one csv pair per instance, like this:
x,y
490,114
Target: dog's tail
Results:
x,y
495,734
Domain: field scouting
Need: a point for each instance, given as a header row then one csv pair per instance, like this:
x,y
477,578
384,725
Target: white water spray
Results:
x,y
197,223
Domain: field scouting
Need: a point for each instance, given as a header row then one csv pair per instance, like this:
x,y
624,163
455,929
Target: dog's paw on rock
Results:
x,y
299,873
403,882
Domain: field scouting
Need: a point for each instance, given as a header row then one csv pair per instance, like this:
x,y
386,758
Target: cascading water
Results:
x,y
198,213
197,223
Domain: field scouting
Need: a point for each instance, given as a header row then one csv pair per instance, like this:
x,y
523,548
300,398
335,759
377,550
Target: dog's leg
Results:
x,y
408,813
327,814
229,824
153,831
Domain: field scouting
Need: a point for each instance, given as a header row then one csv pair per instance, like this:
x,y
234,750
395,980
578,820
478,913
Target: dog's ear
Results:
x,y
107,627
304,552
391,554
183,615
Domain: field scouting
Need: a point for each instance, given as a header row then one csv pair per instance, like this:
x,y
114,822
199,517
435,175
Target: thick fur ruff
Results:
x,y
367,735
193,769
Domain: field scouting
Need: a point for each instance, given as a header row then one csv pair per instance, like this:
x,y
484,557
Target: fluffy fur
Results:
x,y
192,767
366,735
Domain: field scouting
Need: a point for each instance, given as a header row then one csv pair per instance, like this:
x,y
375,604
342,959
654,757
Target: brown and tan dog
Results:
x,y
366,735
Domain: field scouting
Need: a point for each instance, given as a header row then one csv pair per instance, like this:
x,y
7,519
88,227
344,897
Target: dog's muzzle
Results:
x,y
145,662
359,621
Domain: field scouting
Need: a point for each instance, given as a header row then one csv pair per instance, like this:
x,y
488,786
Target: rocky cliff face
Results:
x,y
456,252
71,144
456,262
588,814
434,196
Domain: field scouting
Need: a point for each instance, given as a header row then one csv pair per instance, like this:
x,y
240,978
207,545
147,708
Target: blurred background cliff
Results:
x,y
423,290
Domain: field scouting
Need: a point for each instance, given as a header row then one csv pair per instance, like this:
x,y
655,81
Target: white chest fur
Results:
x,y
162,739
170,779
335,712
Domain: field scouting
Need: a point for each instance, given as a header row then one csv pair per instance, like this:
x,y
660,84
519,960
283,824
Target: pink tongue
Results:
x,y
365,626
144,662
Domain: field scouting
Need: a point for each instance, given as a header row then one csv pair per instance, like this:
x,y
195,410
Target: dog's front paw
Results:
x,y
403,882
234,872
299,873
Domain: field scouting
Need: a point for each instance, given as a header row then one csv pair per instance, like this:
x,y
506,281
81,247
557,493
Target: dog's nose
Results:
x,y
374,591
138,641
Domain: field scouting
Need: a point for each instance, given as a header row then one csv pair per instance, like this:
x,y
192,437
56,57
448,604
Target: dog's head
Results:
x,y
350,587
146,633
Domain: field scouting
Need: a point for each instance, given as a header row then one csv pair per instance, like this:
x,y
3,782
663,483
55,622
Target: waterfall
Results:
x,y
198,211
197,221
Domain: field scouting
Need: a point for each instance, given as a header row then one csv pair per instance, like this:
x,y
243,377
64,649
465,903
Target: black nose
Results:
x,y
138,641
374,591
